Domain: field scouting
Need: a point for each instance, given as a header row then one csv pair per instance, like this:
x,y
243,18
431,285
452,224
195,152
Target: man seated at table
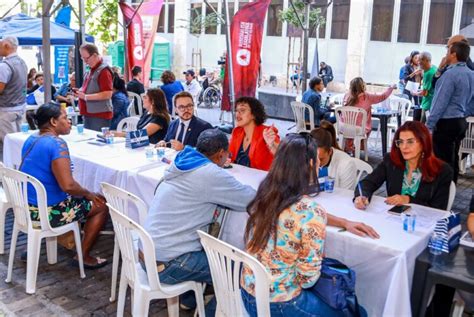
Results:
x,y
186,129
65,93
185,202
333,162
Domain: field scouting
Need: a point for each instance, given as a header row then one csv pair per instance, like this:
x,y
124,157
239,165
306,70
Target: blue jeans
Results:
x,y
191,266
304,305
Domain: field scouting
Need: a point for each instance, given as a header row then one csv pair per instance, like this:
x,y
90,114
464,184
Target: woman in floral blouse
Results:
x,y
286,232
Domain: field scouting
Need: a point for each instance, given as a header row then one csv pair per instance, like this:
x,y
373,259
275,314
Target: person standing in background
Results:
x,y
136,85
427,91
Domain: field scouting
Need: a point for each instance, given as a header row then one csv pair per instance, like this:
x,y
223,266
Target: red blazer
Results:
x,y
260,156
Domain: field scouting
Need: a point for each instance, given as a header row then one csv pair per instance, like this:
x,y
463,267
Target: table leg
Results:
x,y
383,129
419,278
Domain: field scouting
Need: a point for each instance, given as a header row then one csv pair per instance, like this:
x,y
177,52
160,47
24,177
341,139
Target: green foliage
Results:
x,y
198,22
289,16
102,21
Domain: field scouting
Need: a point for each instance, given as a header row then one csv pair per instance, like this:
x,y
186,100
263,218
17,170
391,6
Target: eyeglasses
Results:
x,y
86,59
408,142
186,107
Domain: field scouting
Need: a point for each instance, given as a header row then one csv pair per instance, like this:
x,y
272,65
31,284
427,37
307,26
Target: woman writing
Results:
x,y
286,232
46,156
411,171
155,119
252,143
358,97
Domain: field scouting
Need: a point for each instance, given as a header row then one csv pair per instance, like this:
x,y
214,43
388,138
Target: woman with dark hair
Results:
x,y
170,87
359,97
45,156
286,232
155,119
120,101
31,78
412,72
328,126
412,173
252,143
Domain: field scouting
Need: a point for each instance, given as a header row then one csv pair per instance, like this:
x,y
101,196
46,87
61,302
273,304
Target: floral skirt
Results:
x,y
69,210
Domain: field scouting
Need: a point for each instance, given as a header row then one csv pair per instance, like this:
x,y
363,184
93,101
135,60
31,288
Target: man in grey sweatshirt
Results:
x,y
192,188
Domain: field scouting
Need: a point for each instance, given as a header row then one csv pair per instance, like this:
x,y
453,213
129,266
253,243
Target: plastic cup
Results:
x,y
329,184
436,246
149,152
105,131
409,222
80,128
25,127
160,152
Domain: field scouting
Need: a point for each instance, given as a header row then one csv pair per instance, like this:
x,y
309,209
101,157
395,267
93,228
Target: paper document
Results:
x,y
412,86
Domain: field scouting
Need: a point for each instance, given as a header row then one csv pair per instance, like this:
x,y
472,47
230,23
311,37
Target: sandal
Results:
x,y
100,263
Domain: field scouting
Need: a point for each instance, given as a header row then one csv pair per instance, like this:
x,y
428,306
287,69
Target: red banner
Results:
x,y
135,43
246,32
150,14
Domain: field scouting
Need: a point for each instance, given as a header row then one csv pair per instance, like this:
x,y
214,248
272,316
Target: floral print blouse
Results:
x,y
411,187
295,262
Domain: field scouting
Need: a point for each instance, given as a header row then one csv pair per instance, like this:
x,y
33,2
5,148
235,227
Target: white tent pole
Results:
x,y
46,48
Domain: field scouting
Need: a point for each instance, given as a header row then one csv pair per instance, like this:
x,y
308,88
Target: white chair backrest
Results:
x,y
467,144
126,230
225,262
452,195
402,105
15,184
128,124
361,167
350,121
299,111
121,199
132,97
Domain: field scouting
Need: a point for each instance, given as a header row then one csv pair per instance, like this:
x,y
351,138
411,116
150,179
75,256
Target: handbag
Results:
x,y
336,287
449,228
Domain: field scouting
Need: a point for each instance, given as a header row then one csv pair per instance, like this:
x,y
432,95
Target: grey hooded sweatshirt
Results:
x,y
185,202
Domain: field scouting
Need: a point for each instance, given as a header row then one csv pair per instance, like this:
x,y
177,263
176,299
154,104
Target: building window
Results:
x,y
274,25
196,14
467,20
323,6
161,21
211,29
440,25
382,17
170,17
340,19
242,3
411,13
231,14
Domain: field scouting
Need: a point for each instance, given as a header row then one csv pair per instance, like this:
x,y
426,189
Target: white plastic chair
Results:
x,y
348,128
131,108
121,200
225,262
467,144
299,111
452,195
4,206
145,284
15,184
361,167
128,124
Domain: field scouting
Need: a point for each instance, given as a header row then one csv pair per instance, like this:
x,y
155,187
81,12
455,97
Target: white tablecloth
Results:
x,y
384,267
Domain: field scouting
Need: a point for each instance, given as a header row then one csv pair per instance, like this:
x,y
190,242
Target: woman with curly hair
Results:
x,y
170,87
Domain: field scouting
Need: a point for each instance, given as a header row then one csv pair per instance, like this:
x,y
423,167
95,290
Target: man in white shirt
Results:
x,y
191,85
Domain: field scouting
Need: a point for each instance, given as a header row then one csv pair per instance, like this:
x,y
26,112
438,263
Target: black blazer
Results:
x,y
195,127
434,194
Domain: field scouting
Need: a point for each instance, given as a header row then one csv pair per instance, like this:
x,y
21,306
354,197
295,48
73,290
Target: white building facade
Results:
x,y
367,38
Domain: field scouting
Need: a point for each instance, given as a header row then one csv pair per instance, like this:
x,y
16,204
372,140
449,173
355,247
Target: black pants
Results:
x,y
447,138
442,301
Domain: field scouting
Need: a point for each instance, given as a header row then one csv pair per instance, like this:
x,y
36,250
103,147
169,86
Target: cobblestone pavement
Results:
x,y
60,291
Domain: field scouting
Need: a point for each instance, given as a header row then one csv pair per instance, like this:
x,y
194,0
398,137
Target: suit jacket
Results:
x,y
195,127
260,156
433,194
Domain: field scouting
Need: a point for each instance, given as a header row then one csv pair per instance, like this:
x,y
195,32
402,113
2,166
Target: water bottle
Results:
x,y
436,246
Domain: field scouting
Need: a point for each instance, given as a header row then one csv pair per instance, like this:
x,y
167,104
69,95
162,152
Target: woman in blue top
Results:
x,y
46,157
120,101
170,87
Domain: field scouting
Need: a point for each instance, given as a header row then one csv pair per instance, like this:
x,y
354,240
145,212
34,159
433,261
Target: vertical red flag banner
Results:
x,y
246,32
150,14
135,47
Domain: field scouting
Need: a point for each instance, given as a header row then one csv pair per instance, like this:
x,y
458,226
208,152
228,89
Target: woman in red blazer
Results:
x,y
252,144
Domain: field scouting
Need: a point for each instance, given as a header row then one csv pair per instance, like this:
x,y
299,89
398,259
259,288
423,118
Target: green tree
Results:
x,y
102,21
289,15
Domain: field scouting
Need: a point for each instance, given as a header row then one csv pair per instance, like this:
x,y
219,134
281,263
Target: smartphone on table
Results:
x,y
398,210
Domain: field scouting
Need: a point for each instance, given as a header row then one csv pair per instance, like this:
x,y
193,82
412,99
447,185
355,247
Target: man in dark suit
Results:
x,y
186,129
